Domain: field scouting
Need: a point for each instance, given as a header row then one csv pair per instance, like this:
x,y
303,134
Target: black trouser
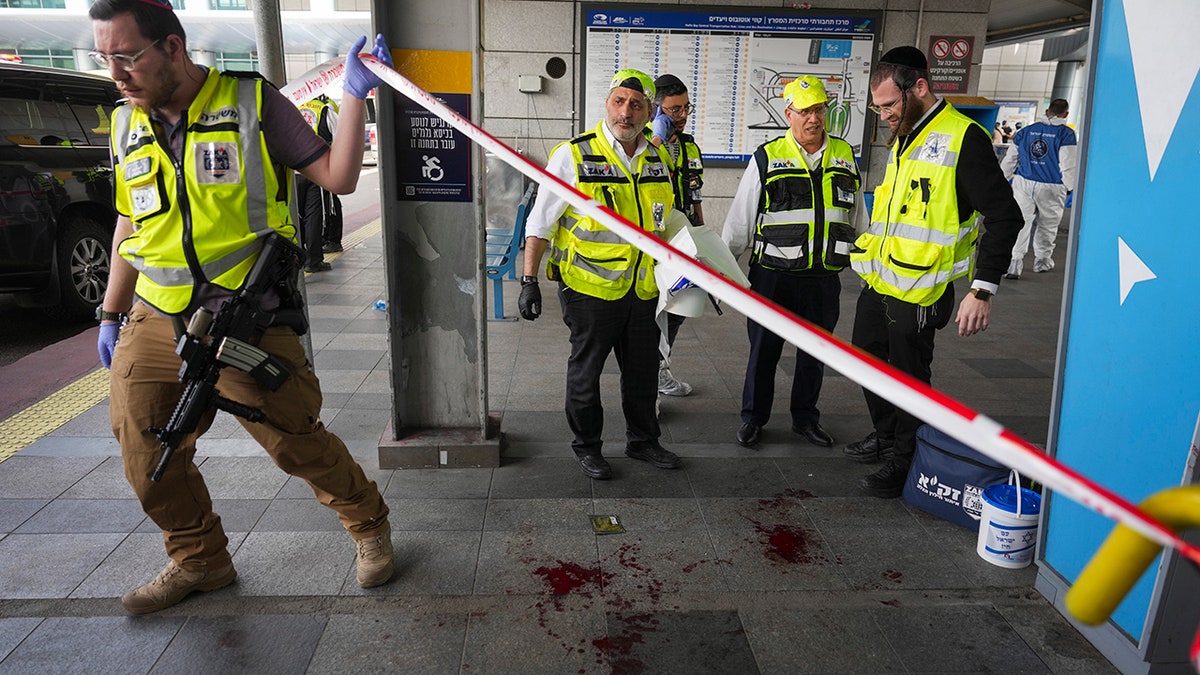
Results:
x,y
332,208
812,298
900,333
320,215
598,327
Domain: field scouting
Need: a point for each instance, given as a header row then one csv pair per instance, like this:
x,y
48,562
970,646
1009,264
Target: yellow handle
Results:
x,y
1125,555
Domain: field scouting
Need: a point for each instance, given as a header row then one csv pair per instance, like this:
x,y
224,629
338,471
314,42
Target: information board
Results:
x,y
735,63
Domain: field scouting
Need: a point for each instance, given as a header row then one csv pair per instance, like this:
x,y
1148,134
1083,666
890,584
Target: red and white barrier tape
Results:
x,y
941,411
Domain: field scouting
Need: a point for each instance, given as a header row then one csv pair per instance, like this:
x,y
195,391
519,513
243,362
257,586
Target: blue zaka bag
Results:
x,y
947,478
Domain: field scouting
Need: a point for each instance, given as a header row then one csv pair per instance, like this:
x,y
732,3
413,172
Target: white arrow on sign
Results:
x,y
1131,268
1166,58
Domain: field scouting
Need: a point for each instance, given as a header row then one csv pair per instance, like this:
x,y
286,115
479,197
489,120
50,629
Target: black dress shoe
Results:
x,y
595,466
318,267
888,482
654,453
331,247
869,450
749,434
813,433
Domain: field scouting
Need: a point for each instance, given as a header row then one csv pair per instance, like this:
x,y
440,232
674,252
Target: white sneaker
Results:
x,y
669,386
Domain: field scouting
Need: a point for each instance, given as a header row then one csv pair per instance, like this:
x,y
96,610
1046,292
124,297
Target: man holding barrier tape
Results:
x,y
195,155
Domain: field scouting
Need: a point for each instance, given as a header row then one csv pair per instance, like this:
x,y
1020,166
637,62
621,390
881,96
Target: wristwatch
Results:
x,y
105,315
982,294
526,279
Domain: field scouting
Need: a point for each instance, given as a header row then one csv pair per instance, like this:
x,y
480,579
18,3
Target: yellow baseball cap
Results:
x,y
635,80
805,91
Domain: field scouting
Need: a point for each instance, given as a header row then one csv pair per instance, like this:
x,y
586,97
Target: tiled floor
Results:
x,y
743,561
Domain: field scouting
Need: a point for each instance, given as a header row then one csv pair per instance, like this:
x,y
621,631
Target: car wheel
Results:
x,y
84,257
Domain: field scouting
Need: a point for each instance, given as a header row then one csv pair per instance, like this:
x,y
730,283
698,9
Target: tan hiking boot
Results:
x,y
374,558
173,584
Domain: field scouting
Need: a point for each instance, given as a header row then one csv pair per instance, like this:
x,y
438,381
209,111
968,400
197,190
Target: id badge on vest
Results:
x,y
217,163
143,189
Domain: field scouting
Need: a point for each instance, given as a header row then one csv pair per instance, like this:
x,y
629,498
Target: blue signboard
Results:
x,y
434,158
1129,378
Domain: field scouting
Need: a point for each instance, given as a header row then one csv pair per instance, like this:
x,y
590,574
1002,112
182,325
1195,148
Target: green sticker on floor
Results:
x,y
607,525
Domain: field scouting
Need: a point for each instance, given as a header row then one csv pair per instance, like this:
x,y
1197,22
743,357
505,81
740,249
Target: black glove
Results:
x,y
530,302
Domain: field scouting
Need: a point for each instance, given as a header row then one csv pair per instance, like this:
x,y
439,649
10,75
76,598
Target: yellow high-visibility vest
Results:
x,y
200,218
586,255
916,244
805,219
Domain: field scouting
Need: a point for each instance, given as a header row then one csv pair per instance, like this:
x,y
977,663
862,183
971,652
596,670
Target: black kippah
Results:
x,y
909,57
668,80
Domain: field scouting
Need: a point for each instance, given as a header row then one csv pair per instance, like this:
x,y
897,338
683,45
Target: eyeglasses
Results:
x,y
127,63
812,110
889,107
679,109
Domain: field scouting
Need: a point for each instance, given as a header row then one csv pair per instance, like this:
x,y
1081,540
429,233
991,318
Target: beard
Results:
x,y
910,114
158,95
625,136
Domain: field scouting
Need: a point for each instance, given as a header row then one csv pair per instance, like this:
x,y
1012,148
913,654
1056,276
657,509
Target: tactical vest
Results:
x,y
586,255
916,245
199,218
805,218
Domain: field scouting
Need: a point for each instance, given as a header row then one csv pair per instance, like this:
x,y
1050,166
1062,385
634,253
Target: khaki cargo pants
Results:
x,y
144,390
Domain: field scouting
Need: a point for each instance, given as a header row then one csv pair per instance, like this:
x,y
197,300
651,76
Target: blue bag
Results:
x,y
947,478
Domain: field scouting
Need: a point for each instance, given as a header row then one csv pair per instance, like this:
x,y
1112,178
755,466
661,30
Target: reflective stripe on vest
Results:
x,y
915,244
587,256
231,195
804,216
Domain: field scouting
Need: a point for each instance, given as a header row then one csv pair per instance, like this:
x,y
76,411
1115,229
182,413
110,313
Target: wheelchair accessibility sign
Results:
x,y
434,157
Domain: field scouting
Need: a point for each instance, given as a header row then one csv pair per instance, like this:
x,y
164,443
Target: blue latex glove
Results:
x,y
663,125
359,80
107,342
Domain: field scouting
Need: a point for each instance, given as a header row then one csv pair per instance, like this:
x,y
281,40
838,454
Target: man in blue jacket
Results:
x,y
1041,164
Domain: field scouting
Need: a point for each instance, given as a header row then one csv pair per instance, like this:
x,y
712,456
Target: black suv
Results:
x,y
56,208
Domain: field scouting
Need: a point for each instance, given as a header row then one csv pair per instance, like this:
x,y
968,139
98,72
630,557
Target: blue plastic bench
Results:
x,y
500,254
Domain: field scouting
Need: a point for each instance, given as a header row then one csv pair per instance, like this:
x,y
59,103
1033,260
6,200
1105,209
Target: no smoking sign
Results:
x,y
950,63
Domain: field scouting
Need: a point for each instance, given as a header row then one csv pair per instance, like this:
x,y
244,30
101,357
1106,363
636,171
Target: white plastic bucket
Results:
x,y
1008,525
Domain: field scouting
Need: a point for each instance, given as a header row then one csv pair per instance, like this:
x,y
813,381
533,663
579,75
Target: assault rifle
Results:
x,y
229,339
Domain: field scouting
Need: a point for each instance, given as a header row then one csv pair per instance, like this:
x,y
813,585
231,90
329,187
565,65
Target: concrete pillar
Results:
x,y
1070,77
268,36
433,254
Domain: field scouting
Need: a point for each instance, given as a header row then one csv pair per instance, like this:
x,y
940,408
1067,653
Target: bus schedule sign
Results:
x,y
950,63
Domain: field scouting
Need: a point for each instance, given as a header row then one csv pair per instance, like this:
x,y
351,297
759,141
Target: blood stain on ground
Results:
x,y
568,577
893,575
787,544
